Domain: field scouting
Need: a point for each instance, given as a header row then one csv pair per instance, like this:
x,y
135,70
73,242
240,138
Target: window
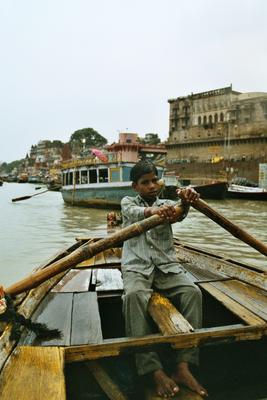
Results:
x,y
221,117
205,120
199,120
115,174
77,177
92,176
70,180
216,118
103,175
210,119
84,177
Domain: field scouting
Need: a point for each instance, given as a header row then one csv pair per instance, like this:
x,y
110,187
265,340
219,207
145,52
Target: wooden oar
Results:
x,y
89,250
28,197
234,229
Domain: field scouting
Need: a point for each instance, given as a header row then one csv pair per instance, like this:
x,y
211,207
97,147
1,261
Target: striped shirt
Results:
x,y
153,248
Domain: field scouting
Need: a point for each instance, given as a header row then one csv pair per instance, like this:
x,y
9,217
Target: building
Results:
x,y
130,149
221,126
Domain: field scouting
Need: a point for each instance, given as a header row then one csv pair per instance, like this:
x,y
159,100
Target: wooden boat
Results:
x,y
214,190
94,360
246,192
54,186
34,179
23,178
97,184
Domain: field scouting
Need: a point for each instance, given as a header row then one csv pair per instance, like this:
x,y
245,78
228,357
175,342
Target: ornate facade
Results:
x,y
216,126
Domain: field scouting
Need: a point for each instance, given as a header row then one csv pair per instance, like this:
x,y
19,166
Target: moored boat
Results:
x,y
246,192
22,178
34,179
93,359
213,190
97,184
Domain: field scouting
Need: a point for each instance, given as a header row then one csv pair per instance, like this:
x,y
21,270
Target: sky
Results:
x,y
112,65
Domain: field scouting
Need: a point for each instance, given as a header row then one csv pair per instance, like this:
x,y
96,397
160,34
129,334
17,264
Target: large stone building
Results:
x,y
221,126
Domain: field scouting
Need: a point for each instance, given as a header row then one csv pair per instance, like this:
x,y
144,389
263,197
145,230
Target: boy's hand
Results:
x,y
166,212
187,195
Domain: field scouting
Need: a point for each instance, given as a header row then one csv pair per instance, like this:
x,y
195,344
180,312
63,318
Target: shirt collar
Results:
x,y
142,201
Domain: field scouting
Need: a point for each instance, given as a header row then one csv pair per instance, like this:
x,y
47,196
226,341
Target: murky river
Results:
x,y
33,230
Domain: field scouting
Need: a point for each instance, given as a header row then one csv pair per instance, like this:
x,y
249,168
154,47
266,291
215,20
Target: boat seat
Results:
x,y
170,322
183,394
20,380
168,319
76,315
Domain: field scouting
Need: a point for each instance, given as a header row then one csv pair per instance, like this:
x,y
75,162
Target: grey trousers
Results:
x,y
180,290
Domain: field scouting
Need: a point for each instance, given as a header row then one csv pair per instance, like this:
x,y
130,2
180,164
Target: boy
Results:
x,y
149,262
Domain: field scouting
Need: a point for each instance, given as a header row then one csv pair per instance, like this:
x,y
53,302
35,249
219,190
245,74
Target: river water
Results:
x,y
35,229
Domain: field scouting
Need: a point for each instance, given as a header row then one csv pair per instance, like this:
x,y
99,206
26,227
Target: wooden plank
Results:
x,y
55,311
117,252
240,311
34,373
87,263
94,277
112,257
202,274
100,258
217,256
112,391
117,347
183,394
254,299
109,279
86,323
74,281
27,307
169,320
228,269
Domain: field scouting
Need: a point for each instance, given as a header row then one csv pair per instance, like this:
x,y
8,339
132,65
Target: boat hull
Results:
x,y
246,193
86,306
214,191
247,196
98,197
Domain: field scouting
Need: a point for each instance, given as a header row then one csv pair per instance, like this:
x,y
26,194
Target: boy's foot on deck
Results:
x,y
184,376
165,386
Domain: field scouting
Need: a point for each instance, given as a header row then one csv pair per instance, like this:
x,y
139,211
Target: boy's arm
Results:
x,y
167,211
132,211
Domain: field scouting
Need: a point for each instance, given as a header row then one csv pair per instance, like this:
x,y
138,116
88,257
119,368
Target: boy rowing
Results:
x,y
149,262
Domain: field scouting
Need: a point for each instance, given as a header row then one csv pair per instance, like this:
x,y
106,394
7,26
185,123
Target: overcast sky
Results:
x,y
113,64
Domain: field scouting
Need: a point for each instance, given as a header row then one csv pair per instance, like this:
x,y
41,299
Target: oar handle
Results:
x,y
234,229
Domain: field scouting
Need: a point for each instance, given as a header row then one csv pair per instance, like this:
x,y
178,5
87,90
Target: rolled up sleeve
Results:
x,y
131,211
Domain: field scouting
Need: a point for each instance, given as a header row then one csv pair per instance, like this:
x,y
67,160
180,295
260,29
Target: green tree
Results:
x,y
8,167
92,138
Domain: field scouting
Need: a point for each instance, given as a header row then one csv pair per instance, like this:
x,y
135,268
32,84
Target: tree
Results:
x,y
8,167
92,138
150,138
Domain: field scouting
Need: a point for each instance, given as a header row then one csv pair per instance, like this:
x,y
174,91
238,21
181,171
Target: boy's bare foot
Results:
x,y
165,386
184,376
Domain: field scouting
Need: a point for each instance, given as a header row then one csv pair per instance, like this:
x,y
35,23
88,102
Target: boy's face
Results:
x,y
147,186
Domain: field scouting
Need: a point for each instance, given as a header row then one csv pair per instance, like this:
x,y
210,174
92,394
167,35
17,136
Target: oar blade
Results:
x,y
21,198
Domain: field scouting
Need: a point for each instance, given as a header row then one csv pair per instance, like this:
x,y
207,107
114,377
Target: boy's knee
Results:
x,y
194,293
136,296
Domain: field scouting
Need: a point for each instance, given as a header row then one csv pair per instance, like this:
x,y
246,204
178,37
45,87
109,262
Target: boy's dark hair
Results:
x,y
141,168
